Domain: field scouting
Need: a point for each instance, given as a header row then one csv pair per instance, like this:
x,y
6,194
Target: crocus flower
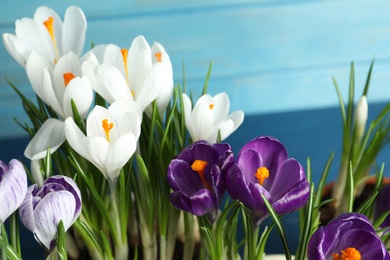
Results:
x,y
263,167
210,115
111,139
57,87
349,236
13,187
43,208
196,178
382,205
136,73
47,35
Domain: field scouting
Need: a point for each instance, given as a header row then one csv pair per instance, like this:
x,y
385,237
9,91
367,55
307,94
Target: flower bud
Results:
x,y
361,115
44,207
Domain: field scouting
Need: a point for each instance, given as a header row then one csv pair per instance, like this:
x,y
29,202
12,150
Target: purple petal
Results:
x,y
237,186
272,152
198,204
181,177
26,212
249,161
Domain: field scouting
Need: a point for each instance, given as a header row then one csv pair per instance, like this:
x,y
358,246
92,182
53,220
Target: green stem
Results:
x,y
120,242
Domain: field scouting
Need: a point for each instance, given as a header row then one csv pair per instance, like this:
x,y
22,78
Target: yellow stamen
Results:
x,y
107,128
211,106
68,77
49,24
349,253
261,174
158,56
132,92
124,56
199,166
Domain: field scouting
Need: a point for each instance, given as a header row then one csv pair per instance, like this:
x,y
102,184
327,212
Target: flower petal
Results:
x,y
73,31
53,208
16,48
51,134
80,91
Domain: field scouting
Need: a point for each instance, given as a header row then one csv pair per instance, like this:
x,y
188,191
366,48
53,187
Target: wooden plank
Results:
x,y
267,57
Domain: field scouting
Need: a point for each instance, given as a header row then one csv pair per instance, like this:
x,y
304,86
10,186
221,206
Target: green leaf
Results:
x,y
279,227
61,237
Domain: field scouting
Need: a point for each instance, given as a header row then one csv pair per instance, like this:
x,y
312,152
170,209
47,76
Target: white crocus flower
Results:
x,y
129,74
47,35
57,87
111,138
361,116
210,115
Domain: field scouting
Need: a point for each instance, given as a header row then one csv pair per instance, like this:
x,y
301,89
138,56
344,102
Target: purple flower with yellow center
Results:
x,y
350,236
44,207
196,178
13,187
263,167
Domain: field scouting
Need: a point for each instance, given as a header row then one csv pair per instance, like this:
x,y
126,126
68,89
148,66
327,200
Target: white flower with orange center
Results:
x,y
209,116
140,73
57,87
111,138
47,34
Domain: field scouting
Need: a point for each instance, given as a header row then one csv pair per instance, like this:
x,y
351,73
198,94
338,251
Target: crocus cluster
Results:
x,y
349,236
201,172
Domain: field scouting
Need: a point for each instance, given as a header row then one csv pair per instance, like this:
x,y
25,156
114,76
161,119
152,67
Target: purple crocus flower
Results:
x,y
349,236
382,204
59,198
263,167
13,187
196,178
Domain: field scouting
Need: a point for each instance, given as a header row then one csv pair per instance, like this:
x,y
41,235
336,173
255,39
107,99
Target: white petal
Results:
x,y
13,188
113,85
203,124
75,137
80,91
151,86
113,56
38,72
221,107
120,154
187,105
16,48
94,121
41,15
53,208
120,107
98,149
26,212
73,31
69,63
96,52
51,134
237,117
139,63
35,37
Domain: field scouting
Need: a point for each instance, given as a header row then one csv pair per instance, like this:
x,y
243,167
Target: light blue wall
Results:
x,y
269,56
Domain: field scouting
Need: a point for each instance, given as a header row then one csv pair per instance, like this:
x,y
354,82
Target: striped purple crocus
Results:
x,y
349,236
44,207
263,167
196,178
13,187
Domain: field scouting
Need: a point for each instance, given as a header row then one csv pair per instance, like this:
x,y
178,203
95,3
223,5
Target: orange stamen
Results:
x,y
349,253
68,77
124,56
211,106
49,24
107,128
158,56
261,174
199,166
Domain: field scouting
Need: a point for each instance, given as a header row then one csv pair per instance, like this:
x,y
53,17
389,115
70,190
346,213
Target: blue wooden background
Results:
x,y
275,59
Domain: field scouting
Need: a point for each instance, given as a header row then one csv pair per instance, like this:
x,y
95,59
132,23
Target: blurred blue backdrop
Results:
x,y
275,59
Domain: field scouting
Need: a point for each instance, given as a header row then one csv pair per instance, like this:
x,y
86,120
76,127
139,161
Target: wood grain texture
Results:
x,y
269,56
